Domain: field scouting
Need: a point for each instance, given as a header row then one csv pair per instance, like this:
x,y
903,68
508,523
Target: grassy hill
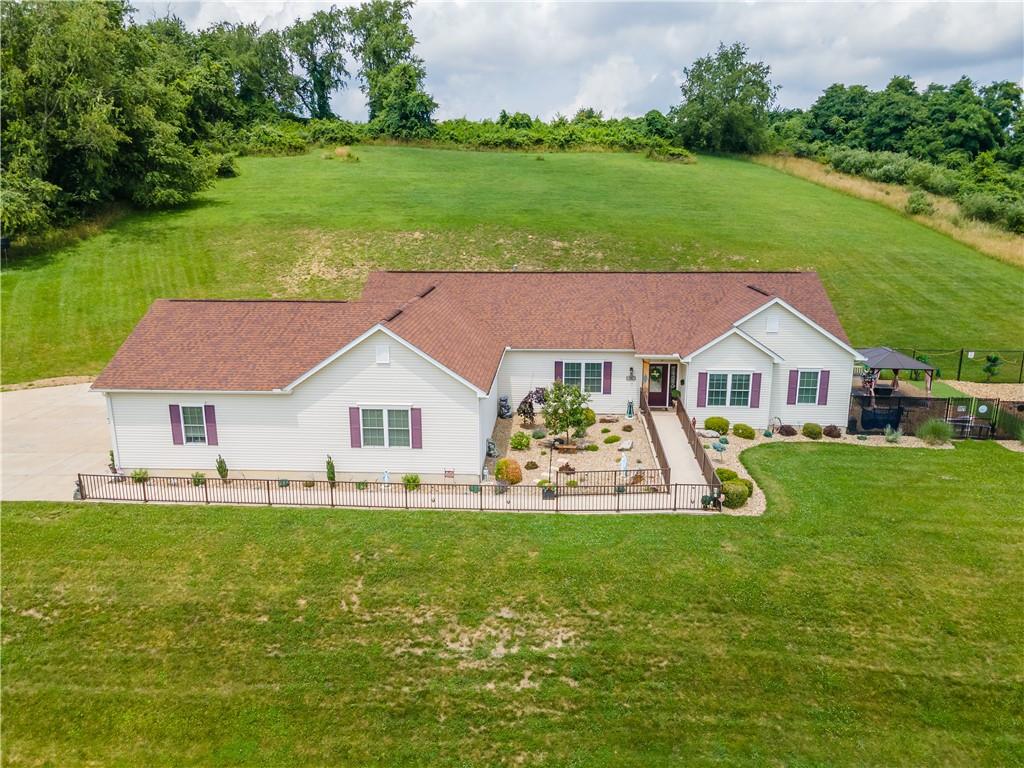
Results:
x,y
866,620
312,227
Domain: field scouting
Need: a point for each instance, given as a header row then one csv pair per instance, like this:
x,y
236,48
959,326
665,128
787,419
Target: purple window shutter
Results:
x,y
794,376
702,389
755,391
211,424
177,436
606,382
354,431
558,370
823,388
416,419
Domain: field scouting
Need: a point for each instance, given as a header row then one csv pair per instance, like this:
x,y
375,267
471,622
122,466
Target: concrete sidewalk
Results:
x,y
48,436
677,450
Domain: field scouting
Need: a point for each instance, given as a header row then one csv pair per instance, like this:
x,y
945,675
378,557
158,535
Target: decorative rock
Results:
x,y
608,420
707,433
626,445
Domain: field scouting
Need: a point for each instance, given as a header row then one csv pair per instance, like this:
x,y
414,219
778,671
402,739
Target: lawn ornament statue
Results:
x,y
492,449
504,409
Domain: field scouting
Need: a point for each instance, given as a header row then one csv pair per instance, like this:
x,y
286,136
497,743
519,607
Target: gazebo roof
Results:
x,y
879,358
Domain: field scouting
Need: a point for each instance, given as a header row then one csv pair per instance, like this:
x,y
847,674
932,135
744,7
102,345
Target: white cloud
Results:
x,y
627,57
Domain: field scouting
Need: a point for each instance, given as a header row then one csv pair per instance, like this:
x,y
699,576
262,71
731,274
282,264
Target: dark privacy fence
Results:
x,y
623,497
973,417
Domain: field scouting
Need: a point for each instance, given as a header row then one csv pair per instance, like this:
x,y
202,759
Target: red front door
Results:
x,y
657,386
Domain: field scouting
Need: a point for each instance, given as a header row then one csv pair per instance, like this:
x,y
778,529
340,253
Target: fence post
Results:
x,y
269,502
675,494
960,365
81,487
145,496
405,490
330,486
1020,375
206,492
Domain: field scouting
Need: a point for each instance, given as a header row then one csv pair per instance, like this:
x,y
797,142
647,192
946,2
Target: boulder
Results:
x,y
608,420
708,433
626,445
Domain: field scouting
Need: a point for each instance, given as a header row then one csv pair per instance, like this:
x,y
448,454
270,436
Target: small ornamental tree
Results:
x,y
992,365
565,409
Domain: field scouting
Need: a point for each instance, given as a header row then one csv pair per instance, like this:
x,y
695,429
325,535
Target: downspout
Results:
x,y
113,430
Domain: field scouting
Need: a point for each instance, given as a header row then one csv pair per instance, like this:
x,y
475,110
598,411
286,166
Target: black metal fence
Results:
x,y
969,364
972,417
599,480
357,494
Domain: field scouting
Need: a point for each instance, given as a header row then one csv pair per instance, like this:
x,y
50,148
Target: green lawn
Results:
x,y
875,618
306,226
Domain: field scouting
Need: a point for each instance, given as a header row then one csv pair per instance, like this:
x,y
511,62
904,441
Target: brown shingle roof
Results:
x,y
464,320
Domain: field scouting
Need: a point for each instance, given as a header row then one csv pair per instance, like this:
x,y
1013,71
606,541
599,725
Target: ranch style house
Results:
x,y
408,377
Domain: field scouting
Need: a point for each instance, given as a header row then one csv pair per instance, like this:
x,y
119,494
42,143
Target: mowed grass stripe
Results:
x,y
309,227
873,618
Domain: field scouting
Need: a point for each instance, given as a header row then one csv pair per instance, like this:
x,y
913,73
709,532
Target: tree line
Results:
x,y
96,108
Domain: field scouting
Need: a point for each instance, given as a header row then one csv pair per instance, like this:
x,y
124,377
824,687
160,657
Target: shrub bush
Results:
x,y
832,431
222,467
892,435
724,473
140,475
539,434
530,465
509,471
919,204
747,482
198,479
811,430
589,417
612,439
520,441
309,483
935,432
605,430
572,483
717,423
735,493
787,430
543,483
627,427
982,206
744,430
331,476
592,447
362,485
411,482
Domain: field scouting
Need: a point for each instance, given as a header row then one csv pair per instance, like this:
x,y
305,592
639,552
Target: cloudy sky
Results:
x,y
627,57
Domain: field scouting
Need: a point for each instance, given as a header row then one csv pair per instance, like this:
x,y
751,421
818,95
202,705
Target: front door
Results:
x,y
657,386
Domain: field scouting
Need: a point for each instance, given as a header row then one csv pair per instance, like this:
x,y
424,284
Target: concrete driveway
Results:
x,y
48,436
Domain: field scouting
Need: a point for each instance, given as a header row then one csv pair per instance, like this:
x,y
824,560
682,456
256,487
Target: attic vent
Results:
x,y
427,291
392,316
762,291
383,354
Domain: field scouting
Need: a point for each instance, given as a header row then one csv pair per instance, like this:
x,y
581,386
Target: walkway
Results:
x,y
677,450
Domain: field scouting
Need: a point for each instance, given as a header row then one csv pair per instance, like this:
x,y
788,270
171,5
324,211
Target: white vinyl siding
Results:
x,y
522,371
193,424
296,432
730,365
803,348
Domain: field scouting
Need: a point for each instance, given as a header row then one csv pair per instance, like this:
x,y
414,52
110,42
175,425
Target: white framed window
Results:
x,y
729,389
807,388
587,376
718,388
739,390
193,424
385,427
572,374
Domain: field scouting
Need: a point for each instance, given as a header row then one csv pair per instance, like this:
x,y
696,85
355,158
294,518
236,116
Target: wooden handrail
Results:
x,y
706,467
659,449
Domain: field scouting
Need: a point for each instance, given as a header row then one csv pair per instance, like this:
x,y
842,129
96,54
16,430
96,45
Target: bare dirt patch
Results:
x,y
57,381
